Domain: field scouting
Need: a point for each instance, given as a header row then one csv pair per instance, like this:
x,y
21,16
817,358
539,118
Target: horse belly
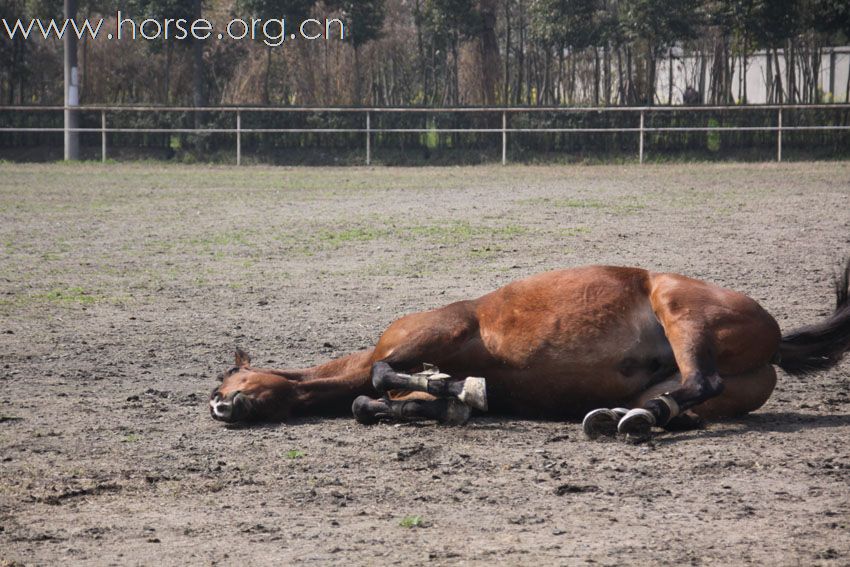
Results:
x,y
566,369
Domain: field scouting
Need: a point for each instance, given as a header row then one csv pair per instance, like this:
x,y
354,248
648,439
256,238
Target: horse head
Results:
x,y
251,394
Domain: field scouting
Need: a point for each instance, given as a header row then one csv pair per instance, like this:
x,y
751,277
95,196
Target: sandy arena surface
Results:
x,y
125,288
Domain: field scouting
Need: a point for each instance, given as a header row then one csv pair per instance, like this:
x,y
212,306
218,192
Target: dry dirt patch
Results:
x,y
124,289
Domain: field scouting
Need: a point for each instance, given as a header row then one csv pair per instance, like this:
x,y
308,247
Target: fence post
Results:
x,y
368,138
504,138
779,138
238,137
103,136
72,87
640,150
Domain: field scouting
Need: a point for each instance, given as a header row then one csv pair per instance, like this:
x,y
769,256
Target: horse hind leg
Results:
x,y
728,334
715,334
742,393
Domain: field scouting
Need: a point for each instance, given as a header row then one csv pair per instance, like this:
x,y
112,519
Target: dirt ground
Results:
x,y
125,288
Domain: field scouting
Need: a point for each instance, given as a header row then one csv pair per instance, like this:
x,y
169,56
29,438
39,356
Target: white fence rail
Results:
x,y
368,130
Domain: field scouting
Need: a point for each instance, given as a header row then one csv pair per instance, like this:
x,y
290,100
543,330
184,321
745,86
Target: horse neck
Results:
x,y
336,383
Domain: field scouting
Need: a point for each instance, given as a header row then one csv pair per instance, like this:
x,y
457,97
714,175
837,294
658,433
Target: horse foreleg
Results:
x,y
436,337
412,407
472,391
430,395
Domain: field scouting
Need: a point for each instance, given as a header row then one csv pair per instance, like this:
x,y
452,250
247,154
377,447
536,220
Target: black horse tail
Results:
x,y
821,346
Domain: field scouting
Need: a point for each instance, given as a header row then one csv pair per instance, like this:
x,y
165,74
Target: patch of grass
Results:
x,y
567,203
623,205
461,231
224,238
62,297
355,234
412,522
295,454
573,231
66,296
448,233
486,252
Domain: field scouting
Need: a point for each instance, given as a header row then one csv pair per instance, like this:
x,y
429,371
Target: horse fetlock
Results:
x,y
663,409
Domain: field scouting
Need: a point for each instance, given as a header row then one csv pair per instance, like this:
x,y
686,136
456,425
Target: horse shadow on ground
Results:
x,y
764,422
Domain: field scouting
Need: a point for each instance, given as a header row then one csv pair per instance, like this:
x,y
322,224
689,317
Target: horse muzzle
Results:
x,y
227,408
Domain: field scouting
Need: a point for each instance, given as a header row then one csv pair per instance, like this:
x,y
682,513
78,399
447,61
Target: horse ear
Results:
x,y
242,358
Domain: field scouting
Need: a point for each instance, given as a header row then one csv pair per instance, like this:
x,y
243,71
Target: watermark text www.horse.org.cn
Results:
x,y
274,32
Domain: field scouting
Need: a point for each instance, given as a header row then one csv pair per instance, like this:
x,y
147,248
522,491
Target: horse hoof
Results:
x,y
381,372
368,411
457,413
474,393
620,412
637,424
599,423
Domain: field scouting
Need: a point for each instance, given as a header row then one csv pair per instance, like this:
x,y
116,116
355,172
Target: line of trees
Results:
x,y
439,52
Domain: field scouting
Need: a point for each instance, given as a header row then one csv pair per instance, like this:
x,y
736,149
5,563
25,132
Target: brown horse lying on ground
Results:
x,y
557,344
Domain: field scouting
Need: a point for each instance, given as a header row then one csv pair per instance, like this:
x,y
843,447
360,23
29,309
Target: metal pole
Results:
x,y
238,137
831,76
72,87
368,138
779,138
103,136
640,151
504,138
